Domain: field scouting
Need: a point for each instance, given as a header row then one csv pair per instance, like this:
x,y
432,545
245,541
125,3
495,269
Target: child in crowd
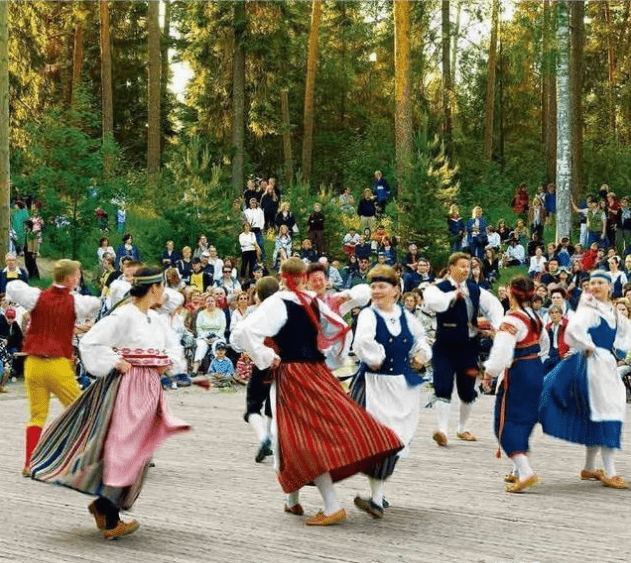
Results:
x,y
245,365
221,368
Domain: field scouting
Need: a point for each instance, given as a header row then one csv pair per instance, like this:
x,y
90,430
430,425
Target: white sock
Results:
x,y
523,467
268,424
590,457
256,421
325,486
607,454
377,487
465,411
293,499
443,409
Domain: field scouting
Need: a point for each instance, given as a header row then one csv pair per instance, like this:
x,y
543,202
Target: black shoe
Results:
x,y
265,449
367,505
386,504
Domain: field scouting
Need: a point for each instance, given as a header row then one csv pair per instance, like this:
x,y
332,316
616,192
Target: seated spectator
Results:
x,y
564,252
552,273
350,241
200,279
10,331
502,295
193,300
245,367
559,349
515,254
202,246
537,216
601,259
333,276
538,308
476,275
590,256
389,251
503,230
494,240
221,367
307,253
185,265
215,262
521,233
424,271
104,247
411,258
377,238
542,291
618,277
558,297
173,280
286,217
169,256
360,275
120,287
127,248
533,244
491,265
282,247
346,201
351,266
551,251
537,263
229,284
363,249
11,272
210,324
520,199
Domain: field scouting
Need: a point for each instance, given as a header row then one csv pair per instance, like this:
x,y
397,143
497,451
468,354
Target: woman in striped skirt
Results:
x,y
322,435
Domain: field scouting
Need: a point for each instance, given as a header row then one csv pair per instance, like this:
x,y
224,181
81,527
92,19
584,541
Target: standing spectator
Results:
x,y
346,201
272,182
455,224
596,222
249,249
20,216
623,232
31,250
256,218
520,199
249,193
170,257
307,251
381,191
316,228
121,218
476,232
127,248
282,247
185,265
202,246
104,246
550,204
366,210
269,205
618,277
11,272
613,218
537,217
286,217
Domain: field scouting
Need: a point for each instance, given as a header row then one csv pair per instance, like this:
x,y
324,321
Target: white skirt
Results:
x,y
395,404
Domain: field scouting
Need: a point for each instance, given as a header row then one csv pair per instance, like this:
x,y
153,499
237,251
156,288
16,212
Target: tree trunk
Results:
x,y
153,95
5,177
106,71
548,93
490,84
238,98
77,61
289,163
164,71
454,42
402,94
447,86
307,141
611,71
577,40
564,171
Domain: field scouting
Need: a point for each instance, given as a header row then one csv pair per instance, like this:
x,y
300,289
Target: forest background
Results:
x,y
317,94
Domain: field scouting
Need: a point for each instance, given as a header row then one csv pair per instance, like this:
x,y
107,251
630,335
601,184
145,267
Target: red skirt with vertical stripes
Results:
x,y
321,429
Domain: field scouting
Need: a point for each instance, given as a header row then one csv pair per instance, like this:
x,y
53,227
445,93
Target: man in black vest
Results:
x,y
458,302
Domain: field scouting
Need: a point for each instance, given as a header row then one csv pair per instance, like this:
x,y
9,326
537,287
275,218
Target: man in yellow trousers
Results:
x,y
49,365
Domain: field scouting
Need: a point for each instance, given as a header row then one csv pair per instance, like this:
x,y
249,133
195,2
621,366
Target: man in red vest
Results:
x,y
49,366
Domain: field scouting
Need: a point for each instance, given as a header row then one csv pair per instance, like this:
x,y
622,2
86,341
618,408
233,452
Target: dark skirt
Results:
x,y
517,405
564,410
320,429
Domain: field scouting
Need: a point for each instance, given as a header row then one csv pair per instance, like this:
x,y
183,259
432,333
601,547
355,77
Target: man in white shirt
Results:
x,y
515,254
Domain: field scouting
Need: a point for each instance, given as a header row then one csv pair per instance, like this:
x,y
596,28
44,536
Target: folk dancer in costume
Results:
x,y
457,302
515,358
258,413
389,341
584,399
49,366
103,443
322,435
339,302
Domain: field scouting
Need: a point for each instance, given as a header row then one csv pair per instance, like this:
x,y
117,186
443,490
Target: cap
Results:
x,y
206,253
196,260
10,313
220,345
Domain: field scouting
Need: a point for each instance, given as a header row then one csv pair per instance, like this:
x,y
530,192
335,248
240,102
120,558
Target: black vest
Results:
x,y
453,324
297,340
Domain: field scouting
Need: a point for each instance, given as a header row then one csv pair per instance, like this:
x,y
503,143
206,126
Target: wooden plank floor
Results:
x,y
206,500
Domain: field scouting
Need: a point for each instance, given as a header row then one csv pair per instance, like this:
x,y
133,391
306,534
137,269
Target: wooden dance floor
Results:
x,y
207,501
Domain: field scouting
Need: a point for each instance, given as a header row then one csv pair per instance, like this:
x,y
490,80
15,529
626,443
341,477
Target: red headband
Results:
x,y
522,295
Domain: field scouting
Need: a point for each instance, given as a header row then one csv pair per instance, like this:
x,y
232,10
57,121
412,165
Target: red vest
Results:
x,y
52,324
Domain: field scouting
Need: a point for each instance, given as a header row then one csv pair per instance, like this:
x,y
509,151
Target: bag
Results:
x,y
295,229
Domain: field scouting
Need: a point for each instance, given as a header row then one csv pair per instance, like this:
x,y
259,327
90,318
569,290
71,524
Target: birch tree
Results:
x,y
563,169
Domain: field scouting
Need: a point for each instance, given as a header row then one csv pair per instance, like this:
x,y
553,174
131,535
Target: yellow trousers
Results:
x,y
44,376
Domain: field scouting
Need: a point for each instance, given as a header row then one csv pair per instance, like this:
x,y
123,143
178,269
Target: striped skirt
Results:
x,y
320,429
91,437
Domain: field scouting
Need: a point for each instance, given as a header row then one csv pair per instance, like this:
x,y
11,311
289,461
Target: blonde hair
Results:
x,y
293,266
453,208
386,273
65,268
474,211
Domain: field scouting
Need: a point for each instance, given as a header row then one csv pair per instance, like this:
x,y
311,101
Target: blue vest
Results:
x,y
452,325
397,350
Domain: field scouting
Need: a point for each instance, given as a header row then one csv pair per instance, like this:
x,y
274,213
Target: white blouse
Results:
x,y
247,241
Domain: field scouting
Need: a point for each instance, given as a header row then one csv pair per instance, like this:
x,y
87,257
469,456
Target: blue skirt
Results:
x,y
564,409
517,405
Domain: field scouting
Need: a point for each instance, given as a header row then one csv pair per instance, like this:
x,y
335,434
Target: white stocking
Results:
x,y
260,427
465,412
442,414
293,499
377,487
590,457
523,467
325,486
607,454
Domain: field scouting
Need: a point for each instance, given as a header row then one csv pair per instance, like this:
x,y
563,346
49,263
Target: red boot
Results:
x,y
32,437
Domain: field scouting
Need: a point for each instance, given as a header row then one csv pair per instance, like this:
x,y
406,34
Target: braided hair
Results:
x,y
522,289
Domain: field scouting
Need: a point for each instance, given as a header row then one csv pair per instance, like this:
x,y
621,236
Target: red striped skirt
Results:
x,y
321,429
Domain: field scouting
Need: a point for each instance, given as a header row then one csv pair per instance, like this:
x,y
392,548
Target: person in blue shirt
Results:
x,y
381,191
221,367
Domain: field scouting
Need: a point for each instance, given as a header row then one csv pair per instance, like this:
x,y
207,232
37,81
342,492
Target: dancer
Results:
x,y
322,435
517,347
102,444
584,399
389,341
257,392
456,300
49,366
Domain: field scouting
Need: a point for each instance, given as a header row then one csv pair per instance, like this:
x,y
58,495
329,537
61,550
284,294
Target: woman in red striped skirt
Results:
x,y
322,435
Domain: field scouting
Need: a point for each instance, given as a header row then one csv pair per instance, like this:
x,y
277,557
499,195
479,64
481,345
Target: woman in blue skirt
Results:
x,y
515,360
584,399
